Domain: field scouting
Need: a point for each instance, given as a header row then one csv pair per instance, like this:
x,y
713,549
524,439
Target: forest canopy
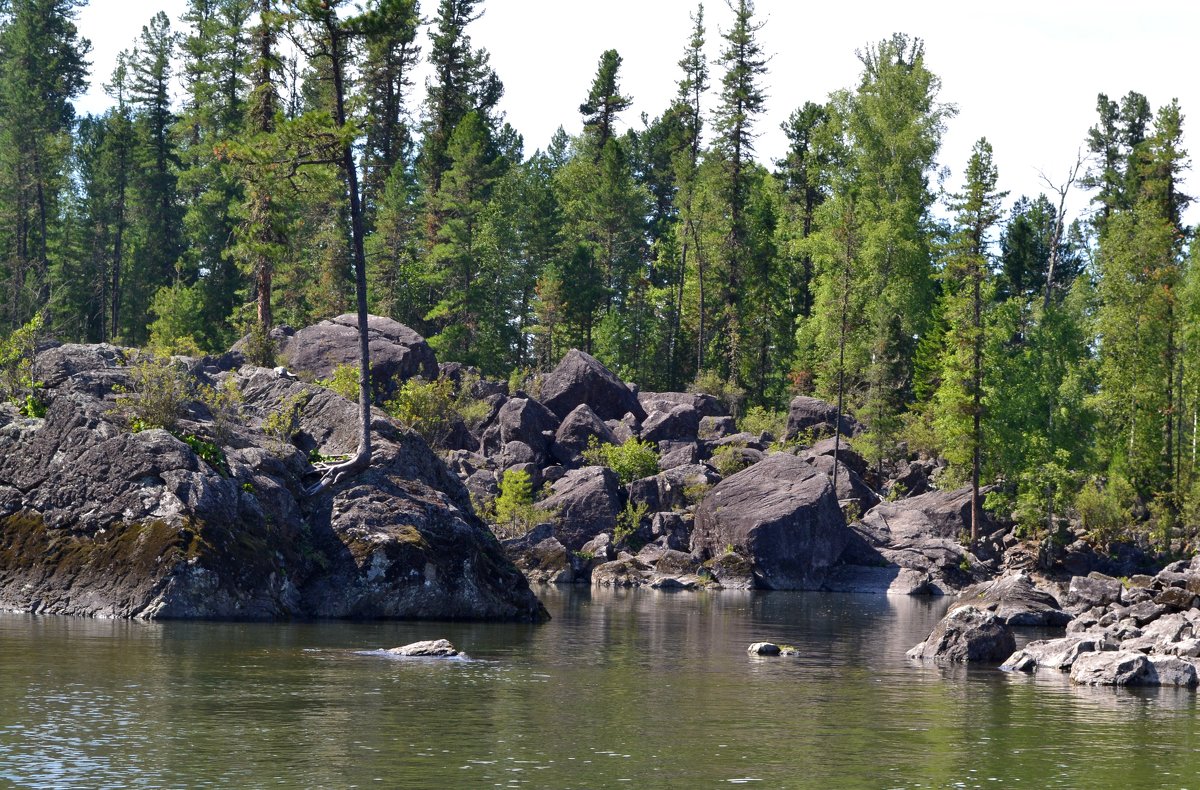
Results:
x,y
1057,356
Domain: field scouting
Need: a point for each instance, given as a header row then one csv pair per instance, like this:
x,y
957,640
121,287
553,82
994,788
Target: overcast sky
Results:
x,y
1023,73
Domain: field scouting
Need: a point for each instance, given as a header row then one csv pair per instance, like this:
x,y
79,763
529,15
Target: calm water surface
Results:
x,y
621,689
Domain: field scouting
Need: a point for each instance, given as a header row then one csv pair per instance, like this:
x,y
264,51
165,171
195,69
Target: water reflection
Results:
x,y
642,687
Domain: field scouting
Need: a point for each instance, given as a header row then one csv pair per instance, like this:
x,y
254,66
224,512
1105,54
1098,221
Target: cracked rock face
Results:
x,y
98,520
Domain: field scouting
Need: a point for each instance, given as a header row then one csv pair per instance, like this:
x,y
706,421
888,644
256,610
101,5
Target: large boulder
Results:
x,y
706,405
579,428
1113,668
677,423
580,378
1016,600
98,520
922,533
967,634
782,515
397,352
818,416
521,420
583,503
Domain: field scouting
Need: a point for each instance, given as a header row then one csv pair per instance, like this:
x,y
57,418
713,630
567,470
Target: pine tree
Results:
x,y
604,103
742,101
42,68
968,285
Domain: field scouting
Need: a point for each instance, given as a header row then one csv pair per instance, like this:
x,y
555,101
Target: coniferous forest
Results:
x,y
1055,356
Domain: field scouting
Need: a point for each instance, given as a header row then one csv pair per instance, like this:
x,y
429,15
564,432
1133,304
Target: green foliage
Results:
x,y
710,382
17,384
759,420
343,381
178,327
225,403
283,424
514,511
1104,508
158,390
210,453
629,520
631,460
694,493
728,460
433,408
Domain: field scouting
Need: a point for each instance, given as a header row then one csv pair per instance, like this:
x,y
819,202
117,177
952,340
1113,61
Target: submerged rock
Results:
x,y
434,648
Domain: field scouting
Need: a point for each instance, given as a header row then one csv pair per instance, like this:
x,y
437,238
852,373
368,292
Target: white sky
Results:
x,y
1023,73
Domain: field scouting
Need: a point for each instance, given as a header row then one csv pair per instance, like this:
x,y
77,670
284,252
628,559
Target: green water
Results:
x,y
621,689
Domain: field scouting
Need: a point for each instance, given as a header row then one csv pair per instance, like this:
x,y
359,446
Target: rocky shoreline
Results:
x,y
98,518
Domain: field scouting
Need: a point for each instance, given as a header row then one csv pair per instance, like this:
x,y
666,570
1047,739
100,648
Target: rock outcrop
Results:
x,y
211,520
397,352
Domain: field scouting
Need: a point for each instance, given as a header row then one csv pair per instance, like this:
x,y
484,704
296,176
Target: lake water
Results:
x,y
621,689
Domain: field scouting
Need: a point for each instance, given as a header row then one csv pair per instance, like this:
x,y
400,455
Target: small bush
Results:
x,y
515,513
283,423
709,382
628,520
157,392
224,402
343,381
433,408
728,460
631,460
1104,509
17,384
758,420
210,453
696,492
526,380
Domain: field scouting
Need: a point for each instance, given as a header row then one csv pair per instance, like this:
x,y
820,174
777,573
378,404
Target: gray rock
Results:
x,y
846,454
675,454
437,648
1113,668
521,420
782,515
1093,590
1058,654
585,502
1016,600
118,524
811,414
580,378
579,428
545,562
678,424
920,533
671,529
706,405
875,580
397,352
716,427
967,634
600,547
1173,671
1175,598
850,487
625,571
764,649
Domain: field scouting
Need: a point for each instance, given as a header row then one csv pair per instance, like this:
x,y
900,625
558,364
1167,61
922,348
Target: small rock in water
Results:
x,y
764,649
435,648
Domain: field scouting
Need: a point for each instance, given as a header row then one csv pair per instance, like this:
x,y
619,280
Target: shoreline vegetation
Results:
x,y
662,362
